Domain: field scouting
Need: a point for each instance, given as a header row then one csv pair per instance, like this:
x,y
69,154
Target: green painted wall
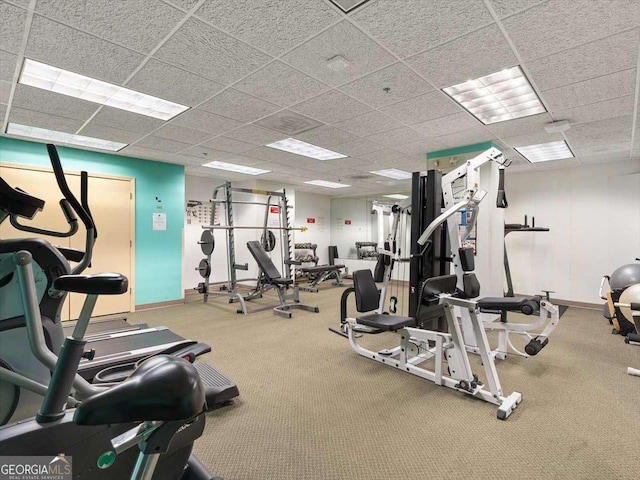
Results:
x,y
158,254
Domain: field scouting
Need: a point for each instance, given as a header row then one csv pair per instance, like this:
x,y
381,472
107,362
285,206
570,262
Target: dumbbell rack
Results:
x,y
366,250
308,258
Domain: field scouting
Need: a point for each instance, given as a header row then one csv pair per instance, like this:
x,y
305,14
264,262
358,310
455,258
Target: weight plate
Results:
x,y
207,242
204,268
268,241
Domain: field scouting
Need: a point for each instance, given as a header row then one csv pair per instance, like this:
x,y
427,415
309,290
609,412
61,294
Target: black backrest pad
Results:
x,y
378,275
367,294
471,285
263,260
436,285
467,259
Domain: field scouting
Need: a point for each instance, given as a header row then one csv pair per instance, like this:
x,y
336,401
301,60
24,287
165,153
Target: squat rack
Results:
x,y
229,286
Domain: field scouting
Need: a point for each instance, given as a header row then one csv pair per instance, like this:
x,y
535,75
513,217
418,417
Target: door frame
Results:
x,y
132,214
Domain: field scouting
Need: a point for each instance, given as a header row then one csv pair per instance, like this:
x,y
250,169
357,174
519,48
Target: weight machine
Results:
x,y
229,287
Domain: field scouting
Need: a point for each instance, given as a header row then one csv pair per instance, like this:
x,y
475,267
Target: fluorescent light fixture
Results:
x,y
545,152
324,183
232,167
498,97
62,137
47,77
393,173
305,149
397,196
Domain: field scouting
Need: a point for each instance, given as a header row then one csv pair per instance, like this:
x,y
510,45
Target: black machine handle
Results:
x,y
501,200
84,199
66,191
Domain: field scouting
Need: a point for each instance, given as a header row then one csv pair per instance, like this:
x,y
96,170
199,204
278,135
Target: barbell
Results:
x,y
243,227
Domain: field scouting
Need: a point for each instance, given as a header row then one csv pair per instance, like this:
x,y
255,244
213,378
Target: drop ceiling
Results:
x,y
239,65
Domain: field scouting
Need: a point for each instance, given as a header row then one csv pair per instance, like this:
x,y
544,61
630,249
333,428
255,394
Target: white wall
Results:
x,y
318,208
363,227
593,212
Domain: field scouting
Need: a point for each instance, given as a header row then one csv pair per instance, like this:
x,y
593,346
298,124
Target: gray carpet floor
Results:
x,y
311,408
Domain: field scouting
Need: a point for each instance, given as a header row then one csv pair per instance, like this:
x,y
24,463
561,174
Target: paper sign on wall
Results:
x,y
347,222
274,209
311,220
159,221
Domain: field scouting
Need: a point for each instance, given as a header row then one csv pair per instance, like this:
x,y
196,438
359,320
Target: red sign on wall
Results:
x,y
274,209
311,220
347,222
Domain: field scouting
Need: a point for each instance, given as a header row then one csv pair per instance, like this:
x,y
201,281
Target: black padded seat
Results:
x,y
321,268
509,304
281,281
386,323
164,388
96,284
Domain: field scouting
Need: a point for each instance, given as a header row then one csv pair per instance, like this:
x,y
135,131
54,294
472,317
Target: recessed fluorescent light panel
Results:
x,y
498,97
397,196
232,167
545,152
62,137
47,77
324,183
305,149
393,173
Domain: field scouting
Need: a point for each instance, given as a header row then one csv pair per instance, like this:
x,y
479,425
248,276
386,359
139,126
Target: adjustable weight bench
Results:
x,y
320,273
273,278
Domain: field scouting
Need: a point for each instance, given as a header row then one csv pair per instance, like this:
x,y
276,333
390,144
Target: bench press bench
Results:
x,y
320,273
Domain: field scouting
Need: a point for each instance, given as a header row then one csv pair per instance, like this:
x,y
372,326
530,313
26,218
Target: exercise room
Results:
x,y
319,239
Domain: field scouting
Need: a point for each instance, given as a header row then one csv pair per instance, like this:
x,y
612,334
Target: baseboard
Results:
x,y
151,306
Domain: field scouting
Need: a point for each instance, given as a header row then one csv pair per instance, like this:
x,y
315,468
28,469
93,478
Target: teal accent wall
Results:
x,y
158,254
476,147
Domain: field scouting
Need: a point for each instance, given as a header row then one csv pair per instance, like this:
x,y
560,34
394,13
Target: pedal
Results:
x,y
386,352
219,390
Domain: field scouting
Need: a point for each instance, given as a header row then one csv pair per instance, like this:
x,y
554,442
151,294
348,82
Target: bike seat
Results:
x,y
96,284
164,388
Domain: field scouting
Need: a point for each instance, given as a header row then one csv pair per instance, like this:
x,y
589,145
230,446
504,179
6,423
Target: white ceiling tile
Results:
x,y
446,125
274,27
343,39
421,147
617,124
108,133
401,81
43,120
3,111
256,135
425,107
230,145
595,90
326,136
532,139
268,154
163,144
476,54
79,52
384,156
616,107
560,24
172,83
11,27
182,134
116,118
183,4
205,122
602,57
357,147
138,25
504,8
5,91
280,84
7,65
332,106
520,126
239,106
615,153
417,25
206,51
514,157
45,101
396,137
204,154
367,124
467,137
145,153
554,164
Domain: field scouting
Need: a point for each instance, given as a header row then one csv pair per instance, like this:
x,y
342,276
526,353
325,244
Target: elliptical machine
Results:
x,y
23,378
165,393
